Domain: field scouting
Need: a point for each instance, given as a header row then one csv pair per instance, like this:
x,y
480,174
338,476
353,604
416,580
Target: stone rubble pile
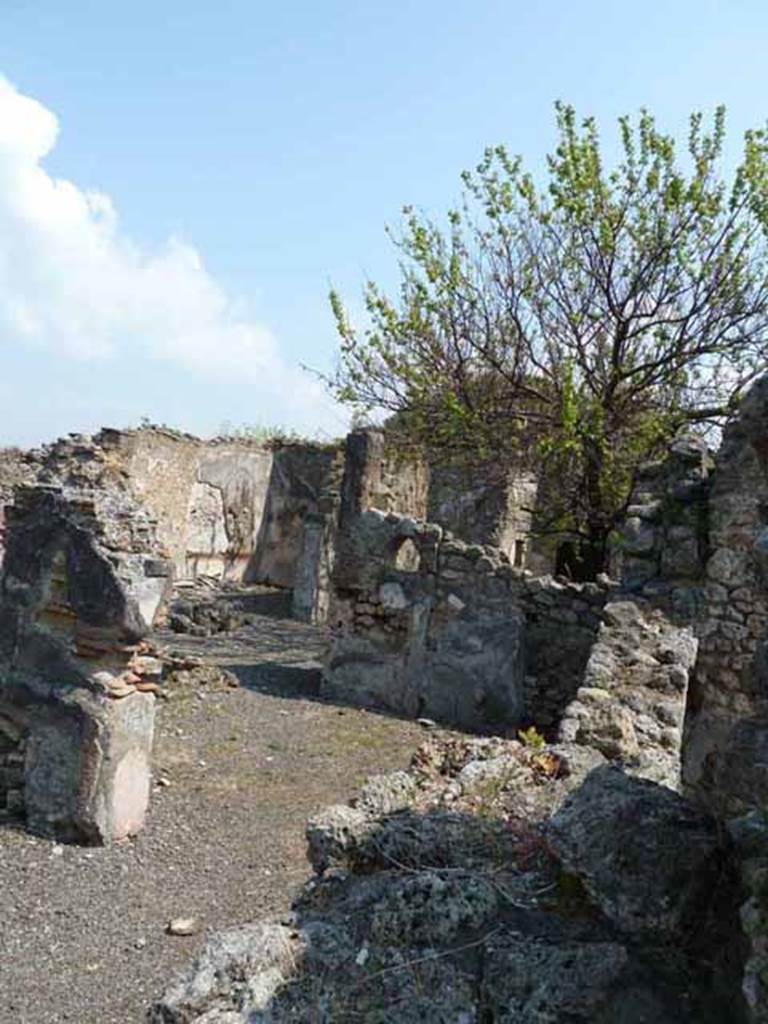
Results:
x,y
480,887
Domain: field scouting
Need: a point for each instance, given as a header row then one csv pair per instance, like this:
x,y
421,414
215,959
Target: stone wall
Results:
x,y
486,505
314,567
426,624
693,545
16,468
82,582
233,509
631,704
663,546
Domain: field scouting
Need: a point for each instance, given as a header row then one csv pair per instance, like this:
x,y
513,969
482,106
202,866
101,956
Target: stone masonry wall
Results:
x,y
408,597
693,546
631,704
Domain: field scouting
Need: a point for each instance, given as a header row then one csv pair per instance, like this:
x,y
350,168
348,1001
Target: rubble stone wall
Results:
x,y
424,623
694,546
631,704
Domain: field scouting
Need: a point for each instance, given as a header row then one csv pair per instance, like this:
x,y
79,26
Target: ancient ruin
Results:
x,y
83,578
627,715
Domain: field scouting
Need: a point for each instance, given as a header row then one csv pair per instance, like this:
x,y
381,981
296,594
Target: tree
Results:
x,y
577,324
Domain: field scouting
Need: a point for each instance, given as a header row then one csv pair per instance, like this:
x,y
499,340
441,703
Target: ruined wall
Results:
x,y
427,624
82,582
16,468
411,636
631,704
693,545
361,475
316,559
486,504
481,505
731,680
300,481
224,508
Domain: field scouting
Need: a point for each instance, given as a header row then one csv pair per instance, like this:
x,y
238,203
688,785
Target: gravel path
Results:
x,y
82,931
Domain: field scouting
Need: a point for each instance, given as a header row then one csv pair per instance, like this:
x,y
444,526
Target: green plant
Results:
x,y
532,738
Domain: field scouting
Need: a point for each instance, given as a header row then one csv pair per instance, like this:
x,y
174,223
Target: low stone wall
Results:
x,y
427,624
82,582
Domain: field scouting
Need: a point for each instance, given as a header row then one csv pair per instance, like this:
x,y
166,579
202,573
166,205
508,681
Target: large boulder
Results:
x,y
647,858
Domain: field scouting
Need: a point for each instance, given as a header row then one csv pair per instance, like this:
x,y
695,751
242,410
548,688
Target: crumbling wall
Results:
x,y
361,475
631,704
731,680
693,545
663,546
233,509
413,635
427,624
82,582
481,505
486,504
16,468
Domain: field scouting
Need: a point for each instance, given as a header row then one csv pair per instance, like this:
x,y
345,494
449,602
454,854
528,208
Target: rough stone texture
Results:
x,y
631,704
16,468
455,917
693,546
486,505
416,635
750,838
81,584
426,624
647,857
730,680
229,508
664,536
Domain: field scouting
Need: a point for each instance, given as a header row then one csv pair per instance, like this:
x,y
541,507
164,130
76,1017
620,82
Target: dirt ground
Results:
x,y
237,772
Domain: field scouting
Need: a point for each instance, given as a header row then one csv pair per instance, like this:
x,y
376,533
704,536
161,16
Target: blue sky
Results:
x,y
252,153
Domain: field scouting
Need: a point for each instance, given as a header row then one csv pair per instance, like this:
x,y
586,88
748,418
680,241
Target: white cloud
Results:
x,y
72,280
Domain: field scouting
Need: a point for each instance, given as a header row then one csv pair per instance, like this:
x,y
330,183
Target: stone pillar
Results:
x,y
83,579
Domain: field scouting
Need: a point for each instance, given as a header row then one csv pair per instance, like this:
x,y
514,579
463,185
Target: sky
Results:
x,y
180,183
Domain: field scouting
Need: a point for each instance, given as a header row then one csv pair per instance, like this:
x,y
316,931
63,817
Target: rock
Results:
x,y
385,794
238,971
183,926
750,838
530,981
335,836
647,857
